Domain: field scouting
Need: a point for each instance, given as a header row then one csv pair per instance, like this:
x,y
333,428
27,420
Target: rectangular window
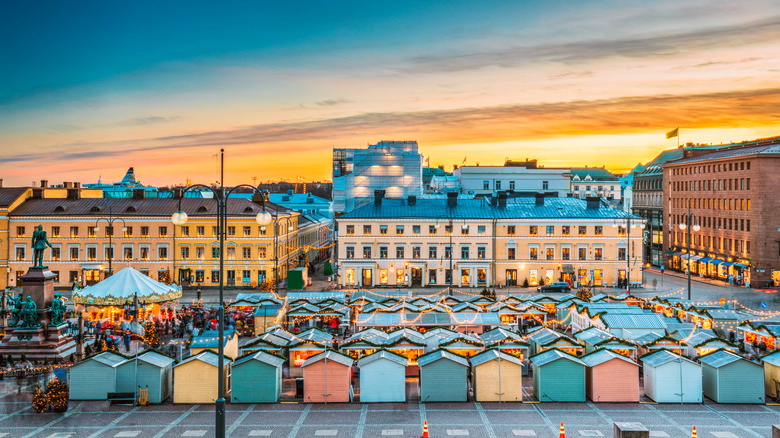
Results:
x,y
366,252
350,252
128,253
582,253
366,230
144,253
74,253
431,276
433,252
231,230
533,253
144,231
464,252
399,252
510,253
383,230
621,231
185,252
20,232
246,252
247,231
510,230
416,250
109,253
550,253
200,275
448,230
215,231
598,253
565,230
261,252
481,230
201,231
55,254
464,230
185,231
621,253
215,276
582,231
383,252
74,232
262,230
231,252
485,185
91,254
399,230
545,185
91,231
128,231
448,252
550,230
350,230
20,252
215,252
533,230
481,252
598,230
565,253
511,185
498,185
416,230
200,252
55,231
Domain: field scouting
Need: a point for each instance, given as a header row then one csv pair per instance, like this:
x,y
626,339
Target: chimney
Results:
x,y
452,199
1,182
502,199
411,200
67,184
44,183
74,193
539,199
494,200
37,193
593,202
76,185
139,193
378,195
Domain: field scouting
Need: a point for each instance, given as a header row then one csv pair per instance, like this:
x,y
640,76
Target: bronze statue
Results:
x,y
57,311
29,315
16,305
39,243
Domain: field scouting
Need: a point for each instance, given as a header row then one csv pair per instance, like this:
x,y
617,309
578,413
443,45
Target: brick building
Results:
x,y
731,191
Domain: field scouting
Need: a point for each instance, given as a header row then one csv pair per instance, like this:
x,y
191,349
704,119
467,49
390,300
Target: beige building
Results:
x,y
484,243
87,231
10,198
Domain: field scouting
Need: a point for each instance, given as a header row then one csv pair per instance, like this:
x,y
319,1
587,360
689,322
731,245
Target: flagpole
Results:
x,y
678,137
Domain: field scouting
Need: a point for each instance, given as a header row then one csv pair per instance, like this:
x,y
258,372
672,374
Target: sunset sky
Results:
x,y
88,89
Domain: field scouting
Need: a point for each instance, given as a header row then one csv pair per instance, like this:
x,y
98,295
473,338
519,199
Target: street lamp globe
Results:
x,y
696,227
642,226
683,226
179,218
264,218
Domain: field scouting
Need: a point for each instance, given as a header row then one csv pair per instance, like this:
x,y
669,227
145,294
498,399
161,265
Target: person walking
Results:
x,y
126,339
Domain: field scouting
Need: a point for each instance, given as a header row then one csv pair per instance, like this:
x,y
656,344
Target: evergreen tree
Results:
x,y
39,400
151,334
58,394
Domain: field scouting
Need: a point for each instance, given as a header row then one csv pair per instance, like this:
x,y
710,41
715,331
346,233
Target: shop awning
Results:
x,y
670,252
716,261
727,264
740,265
567,269
678,254
705,260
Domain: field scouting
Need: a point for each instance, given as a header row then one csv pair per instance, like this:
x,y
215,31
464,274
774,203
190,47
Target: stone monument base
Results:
x,y
38,344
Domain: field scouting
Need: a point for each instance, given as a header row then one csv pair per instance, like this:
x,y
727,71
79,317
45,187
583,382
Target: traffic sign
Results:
x,y
763,305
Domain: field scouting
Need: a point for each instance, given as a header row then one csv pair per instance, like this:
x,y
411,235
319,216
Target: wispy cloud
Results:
x,y
594,49
332,102
150,120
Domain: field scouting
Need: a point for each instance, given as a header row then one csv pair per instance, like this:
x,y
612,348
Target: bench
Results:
x,y
121,398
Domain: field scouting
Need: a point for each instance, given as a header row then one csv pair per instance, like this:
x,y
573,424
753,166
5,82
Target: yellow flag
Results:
x,y
673,133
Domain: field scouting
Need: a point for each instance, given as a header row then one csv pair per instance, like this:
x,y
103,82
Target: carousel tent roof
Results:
x,y
120,287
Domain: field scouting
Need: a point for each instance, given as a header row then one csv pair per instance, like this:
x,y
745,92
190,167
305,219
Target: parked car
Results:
x,y
559,286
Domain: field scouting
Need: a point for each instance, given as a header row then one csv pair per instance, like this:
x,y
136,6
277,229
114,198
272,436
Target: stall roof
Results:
x,y
772,358
108,358
156,359
499,334
210,339
720,358
383,354
426,319
262,356
661,357
550,356
266,310
316,296
206,356
435,355
251,299
593,335
598,357
493,354
330,355
379,296
647,338
633,321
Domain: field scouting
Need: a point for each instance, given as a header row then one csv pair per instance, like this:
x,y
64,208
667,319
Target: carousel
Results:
x,y
118,299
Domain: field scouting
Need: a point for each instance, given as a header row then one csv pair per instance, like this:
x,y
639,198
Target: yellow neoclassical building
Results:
x,y
488,242
87,231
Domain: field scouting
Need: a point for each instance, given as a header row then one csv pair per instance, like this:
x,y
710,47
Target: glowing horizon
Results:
x,y
89,92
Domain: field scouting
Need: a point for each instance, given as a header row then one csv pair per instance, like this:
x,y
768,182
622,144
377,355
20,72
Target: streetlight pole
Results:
x,y
452,231
628,249
180,218
110,223
686,225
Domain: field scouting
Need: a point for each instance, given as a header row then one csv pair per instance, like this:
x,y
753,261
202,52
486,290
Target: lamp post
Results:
x,y
110,223
686,225
628,248
452,231
180,218
262,199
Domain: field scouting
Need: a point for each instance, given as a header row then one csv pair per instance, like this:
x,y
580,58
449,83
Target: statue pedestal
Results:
x,y
38,283
38,343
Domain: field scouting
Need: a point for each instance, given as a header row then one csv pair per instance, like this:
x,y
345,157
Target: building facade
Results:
x,y
595,181
486,243
392,166
87,230
517,176
647,203
731,193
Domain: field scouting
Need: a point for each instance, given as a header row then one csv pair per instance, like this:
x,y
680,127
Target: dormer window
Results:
x,y
202,209
95,209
